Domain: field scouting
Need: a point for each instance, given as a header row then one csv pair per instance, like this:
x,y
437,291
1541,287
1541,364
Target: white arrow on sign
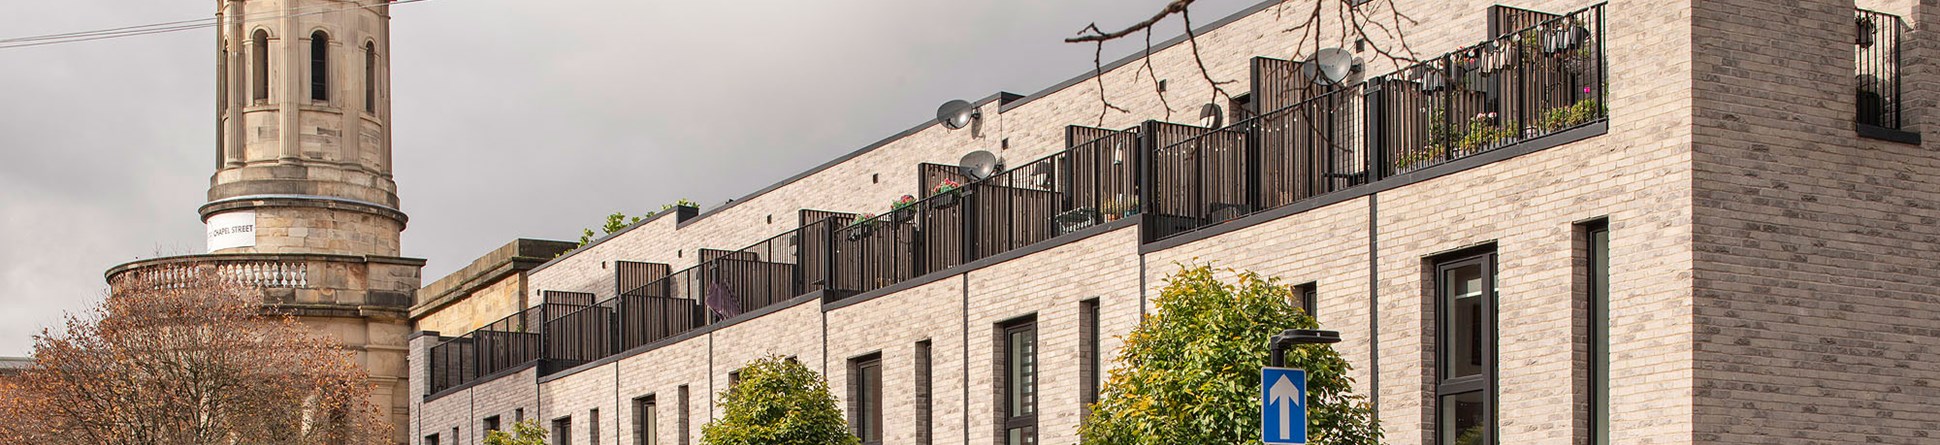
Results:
x,y
1287,396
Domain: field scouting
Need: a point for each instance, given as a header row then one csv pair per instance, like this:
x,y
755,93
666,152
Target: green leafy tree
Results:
x,y
1191,372
619,221
523,433
778,401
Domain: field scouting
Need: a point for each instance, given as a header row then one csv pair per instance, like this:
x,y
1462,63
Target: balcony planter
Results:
x,y
946,200
864,225
901,211
947,194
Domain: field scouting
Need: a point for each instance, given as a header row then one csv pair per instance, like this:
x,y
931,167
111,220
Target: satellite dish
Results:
x,y
980,165
1210,116
957,114
1331,66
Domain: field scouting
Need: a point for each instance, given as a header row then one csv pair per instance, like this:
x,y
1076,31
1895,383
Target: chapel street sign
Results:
x,y
1283,406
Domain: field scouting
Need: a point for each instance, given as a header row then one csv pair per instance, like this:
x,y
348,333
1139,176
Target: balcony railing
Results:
x,y
1310,142
1877,40
1525,84
1090,183
245,272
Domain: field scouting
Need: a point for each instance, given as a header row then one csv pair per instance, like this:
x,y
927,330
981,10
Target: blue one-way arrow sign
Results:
x,y
1283,406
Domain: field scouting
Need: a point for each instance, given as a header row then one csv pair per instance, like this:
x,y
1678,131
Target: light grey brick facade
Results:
x,y
1772,271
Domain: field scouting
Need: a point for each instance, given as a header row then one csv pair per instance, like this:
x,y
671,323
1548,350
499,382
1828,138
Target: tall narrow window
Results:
x,y
518,414
865,398
1090,370
454,435
1598,236
562,431
259,66
1018,350
924,434
319,66
646,419
593,427
681,405
370,77
1465,296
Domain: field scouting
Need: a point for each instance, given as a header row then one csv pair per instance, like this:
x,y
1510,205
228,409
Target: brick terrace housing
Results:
x,y
1646,222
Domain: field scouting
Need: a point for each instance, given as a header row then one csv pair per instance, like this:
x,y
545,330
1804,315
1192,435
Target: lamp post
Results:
x,y
1284,340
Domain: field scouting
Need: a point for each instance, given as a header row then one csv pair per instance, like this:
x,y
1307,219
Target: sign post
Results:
x,y
1283,406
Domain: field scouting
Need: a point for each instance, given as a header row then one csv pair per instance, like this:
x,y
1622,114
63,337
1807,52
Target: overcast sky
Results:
x,y
511,118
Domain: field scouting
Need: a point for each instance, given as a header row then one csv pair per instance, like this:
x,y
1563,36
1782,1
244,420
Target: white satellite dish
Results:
x,y
957,114
980,165
1331,66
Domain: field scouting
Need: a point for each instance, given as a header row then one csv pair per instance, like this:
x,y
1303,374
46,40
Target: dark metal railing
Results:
x,y
510,342
1087,184
1527,83
1877,94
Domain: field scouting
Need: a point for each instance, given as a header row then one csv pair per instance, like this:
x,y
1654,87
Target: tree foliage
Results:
x,y
1190,373
523,433
619,221
778,401
196,362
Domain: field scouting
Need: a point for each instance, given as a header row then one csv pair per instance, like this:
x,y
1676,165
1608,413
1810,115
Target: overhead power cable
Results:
x,y
175,26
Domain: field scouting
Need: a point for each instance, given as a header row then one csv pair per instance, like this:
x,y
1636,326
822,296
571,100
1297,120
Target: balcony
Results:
x,y
1543,76
302,284
1877,96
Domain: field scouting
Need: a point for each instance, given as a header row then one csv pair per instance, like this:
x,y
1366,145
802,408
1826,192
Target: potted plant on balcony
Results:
x,y
1119,207
900,211
1579,113
863,225
946,194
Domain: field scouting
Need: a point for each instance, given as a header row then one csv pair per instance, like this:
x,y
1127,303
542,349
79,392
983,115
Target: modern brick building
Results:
x,y
1646,222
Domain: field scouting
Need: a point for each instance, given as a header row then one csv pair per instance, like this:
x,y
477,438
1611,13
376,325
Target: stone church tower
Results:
x,y
302,202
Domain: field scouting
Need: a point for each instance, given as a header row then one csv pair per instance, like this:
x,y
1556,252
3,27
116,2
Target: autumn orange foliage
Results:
x,y
197,362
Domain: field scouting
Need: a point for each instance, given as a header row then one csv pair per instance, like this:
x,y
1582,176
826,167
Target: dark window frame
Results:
x,y
431,439
1091,370
320,66
259,66
593,426
1596,236
646,420
1487,340
1013,414
1307,297
489,424
865,398
562,431
370,77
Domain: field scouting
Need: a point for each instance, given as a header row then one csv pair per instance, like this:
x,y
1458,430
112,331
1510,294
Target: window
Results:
x,y
1018,358
646,418
319,66
681,406
370,77
1307,296
431,440
734,379
491,424
518,414
1465,314
562,431
259,66
1089,370
1241,107
1597,234
593,427
923,393
865,398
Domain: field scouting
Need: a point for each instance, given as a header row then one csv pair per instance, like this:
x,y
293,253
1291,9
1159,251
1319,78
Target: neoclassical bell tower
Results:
x,y
302,204
304,151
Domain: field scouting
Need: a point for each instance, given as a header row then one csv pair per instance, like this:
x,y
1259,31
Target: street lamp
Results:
x,y
1284,340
